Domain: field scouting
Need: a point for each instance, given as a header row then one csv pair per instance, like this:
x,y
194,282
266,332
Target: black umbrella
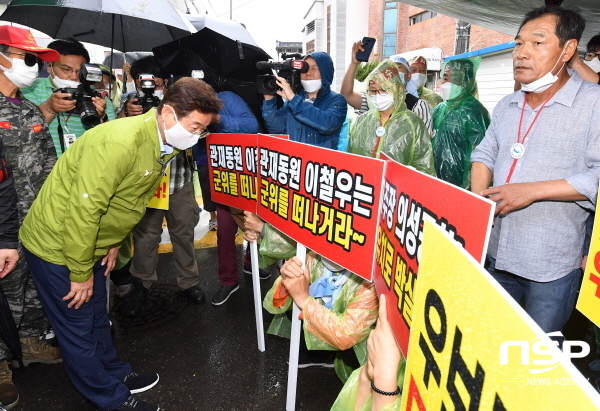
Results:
x,y
224,51
8,330
126,25
225,47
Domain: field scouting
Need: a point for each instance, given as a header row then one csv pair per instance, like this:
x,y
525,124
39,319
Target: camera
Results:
x,y
289,69
84,106
147,100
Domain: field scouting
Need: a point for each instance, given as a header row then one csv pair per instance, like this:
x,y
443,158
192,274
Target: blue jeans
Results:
x,y
83,334
549,304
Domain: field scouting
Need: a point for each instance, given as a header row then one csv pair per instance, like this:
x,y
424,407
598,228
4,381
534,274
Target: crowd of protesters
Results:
x,y
77,196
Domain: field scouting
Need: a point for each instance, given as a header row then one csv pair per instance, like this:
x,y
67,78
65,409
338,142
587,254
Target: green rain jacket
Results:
x,y
406,138
346,399
96,193
459,123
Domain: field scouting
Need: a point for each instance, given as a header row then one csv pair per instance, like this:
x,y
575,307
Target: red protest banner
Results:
x,y
325,199
408,198
232,169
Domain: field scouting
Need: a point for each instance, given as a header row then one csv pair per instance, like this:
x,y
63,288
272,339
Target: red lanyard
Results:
x,y
521,140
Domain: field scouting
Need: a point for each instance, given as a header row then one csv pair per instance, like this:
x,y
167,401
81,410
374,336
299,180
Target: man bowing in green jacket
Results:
x,y
94,196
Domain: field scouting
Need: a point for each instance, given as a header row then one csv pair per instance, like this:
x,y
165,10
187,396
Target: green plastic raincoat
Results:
x,y
406,139
430,96
459,123
346,399
347,325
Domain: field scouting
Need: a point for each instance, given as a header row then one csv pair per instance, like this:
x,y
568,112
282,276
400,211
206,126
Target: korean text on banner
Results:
x,y
325,199
232,169
160,199
472,347
410,197
589,296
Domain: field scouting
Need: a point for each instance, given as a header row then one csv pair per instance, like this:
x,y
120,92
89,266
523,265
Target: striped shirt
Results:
x,y
40,91
422,109
182,166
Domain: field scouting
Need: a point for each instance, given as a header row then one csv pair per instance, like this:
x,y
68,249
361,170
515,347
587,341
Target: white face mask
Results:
x,y
60,83
20,74
544,82
450,91
402,77
419,79
594,64
178,137
382,103
159,94
310,86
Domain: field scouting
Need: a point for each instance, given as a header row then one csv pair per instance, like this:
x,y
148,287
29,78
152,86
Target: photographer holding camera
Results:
x,y
59,108
315,114
151,81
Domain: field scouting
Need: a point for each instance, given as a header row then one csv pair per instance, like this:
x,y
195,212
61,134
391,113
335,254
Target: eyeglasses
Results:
x,y
591,56
68,70
374,92
30,59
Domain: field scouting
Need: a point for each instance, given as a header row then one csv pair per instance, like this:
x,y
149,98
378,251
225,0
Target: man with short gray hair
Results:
x,y
542,150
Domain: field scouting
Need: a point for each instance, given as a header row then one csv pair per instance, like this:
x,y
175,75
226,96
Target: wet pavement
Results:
x,y
206,356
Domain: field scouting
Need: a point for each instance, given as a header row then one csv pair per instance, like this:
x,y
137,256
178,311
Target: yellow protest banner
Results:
x,y
161,197
589,295
472,347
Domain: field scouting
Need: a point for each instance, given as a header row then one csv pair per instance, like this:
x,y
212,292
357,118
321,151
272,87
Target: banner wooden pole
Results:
x,y
290,404
258,314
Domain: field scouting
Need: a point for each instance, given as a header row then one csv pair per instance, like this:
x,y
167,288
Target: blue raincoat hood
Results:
x,y
325,64
316,122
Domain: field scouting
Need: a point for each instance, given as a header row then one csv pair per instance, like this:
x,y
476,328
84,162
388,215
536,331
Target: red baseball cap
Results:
x,y
23,39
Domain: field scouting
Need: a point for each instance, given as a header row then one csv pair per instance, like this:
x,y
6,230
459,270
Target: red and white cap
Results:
x,y
23,39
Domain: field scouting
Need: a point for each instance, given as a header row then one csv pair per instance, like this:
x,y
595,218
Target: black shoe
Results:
x,y
195,294
140,382
135,305
133,404
262,273
223,293
318,359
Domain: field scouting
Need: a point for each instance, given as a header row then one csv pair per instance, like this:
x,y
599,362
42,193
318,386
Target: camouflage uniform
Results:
x,y
31,155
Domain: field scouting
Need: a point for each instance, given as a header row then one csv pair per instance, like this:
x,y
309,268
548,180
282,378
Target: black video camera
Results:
x,y
89,74
289,69
147,100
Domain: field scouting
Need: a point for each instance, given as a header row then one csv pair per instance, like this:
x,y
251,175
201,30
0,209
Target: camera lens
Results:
x,y
87,111
271,84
